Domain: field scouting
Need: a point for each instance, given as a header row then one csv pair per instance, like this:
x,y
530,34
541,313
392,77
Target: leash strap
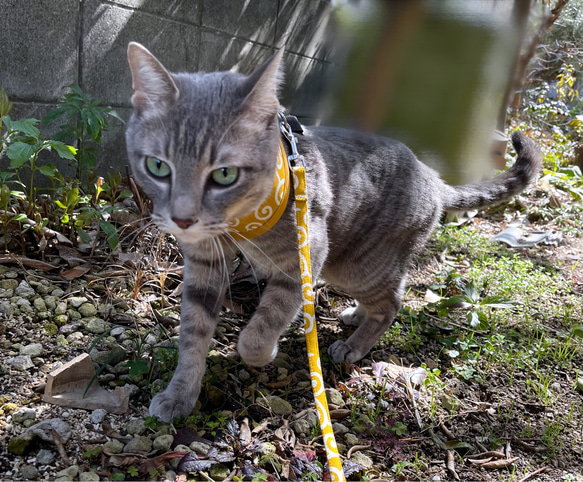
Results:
x,y
298,170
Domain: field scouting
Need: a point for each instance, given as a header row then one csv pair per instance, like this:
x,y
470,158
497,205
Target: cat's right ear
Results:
x,y
154,89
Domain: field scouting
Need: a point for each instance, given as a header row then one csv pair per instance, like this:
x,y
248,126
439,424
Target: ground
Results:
x,y
480,377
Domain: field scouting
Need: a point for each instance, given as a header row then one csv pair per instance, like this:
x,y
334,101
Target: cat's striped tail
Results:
x,y
502,187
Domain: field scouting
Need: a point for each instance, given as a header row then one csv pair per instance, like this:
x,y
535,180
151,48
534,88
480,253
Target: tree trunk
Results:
x,y
528,53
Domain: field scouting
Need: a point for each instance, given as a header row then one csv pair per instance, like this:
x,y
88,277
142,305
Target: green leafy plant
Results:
x,y
471,301
24,144
434,384
86,120
133,471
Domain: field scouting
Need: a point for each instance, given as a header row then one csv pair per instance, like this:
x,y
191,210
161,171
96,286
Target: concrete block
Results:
x,y
183,10
107,31
305,88
39,48
249,20
307,27
114,157
225,52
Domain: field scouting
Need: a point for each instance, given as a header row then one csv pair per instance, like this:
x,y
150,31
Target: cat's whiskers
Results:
x,y
222,258
251,258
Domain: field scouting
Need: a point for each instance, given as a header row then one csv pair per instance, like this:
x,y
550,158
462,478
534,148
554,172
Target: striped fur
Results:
x,y
372,205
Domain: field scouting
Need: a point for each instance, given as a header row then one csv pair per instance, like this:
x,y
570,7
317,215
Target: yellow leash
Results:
x,y
301,201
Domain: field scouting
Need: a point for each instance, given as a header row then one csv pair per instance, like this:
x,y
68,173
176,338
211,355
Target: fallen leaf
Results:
x,y
499,464
431,297
340,413
159,461
30,263
245,436
77,271
191,463
185,436
459,446
71,255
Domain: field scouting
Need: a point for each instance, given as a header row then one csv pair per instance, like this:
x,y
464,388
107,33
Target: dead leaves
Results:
x,y
28,262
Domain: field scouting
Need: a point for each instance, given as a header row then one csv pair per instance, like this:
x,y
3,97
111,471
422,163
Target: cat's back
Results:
x,y
368,161
375,181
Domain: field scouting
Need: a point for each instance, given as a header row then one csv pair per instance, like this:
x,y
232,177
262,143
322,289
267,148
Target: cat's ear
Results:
x,y
263,85
154,88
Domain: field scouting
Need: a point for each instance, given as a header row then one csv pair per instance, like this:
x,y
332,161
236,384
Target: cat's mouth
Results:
x,y
190,232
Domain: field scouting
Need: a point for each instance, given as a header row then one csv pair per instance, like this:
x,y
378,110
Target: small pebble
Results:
x,y
20,362
34,350
25,413
29,472
113,446
45,457
77,301
89,477
98,415
163,442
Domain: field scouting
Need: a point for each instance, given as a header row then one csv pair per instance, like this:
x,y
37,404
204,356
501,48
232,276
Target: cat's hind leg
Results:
x,y
373,321
379,300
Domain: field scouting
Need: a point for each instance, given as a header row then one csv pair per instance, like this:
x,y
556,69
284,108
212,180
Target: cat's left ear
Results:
x,y
263,85
154,88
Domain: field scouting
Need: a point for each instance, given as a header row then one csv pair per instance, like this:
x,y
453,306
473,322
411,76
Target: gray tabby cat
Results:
x,y
204,146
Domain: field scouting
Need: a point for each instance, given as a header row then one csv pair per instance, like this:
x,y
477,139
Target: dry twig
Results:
x,y
450,464
532,474
355,448
60,448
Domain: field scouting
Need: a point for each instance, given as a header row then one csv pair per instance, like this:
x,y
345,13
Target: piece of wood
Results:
x,y
66,387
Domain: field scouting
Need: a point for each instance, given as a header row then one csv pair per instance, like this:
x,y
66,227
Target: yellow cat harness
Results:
x,y
271,209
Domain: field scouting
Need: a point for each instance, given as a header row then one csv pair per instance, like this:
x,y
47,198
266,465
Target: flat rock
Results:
x,y
362,459
20,362
96,325
89,477
24,414
68,474
114,446
45,457
279,406
98,415
29,472
44,430
163,442
139,445
33,350
334,397
87,310
24,290
77,301
136,426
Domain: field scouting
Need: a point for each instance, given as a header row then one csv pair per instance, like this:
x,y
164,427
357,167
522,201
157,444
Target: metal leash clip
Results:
x,y
291,138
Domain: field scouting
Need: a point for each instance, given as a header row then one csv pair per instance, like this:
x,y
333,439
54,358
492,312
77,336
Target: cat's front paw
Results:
x,y
341,351
352,316
166,406
255,350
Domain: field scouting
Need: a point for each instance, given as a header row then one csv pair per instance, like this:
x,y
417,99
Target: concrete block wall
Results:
x,y
47,45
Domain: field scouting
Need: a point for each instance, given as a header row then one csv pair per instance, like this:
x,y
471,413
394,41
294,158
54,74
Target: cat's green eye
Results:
x,y
225,176
157,167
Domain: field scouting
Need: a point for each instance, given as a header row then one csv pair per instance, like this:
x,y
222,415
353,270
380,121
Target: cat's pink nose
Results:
x,y
184,223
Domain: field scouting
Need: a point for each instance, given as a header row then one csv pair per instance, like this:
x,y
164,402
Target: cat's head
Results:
x,y
202,146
